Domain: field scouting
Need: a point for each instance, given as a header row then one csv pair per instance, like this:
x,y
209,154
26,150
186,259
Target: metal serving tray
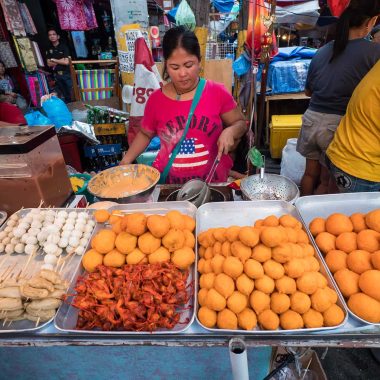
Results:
x,y
66,318
15,262
226,214
3,217
314,206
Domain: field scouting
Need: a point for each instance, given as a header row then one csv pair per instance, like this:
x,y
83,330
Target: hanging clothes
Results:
x,y
76,14
12,17
6,55
26,54
89,14
30,28
79,40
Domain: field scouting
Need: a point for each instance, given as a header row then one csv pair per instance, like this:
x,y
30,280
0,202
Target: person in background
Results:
x,y
58,60
334,72
215,129
375,34
353,156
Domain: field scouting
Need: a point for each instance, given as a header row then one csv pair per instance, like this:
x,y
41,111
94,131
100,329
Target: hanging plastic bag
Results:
x,y
37,118
185,15
57,112
292,164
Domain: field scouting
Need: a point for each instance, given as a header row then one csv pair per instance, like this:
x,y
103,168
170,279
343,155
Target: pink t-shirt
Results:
x,y
166,118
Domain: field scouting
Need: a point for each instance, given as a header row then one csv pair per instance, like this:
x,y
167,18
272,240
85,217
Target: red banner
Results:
x,y
337,6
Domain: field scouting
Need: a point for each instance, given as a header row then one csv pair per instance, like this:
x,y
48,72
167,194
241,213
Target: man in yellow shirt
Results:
x,y
353,156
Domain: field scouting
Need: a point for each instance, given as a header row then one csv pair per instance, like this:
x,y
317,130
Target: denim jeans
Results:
x,y
63,85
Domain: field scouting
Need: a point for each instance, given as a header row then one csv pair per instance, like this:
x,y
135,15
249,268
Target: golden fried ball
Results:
x,y
220,234
375,259
206,238
261,253
316,226
359,261
286,285
336,260
201,251
241,251
116,227
300,302
207,317
348,282
215,301
232,266
365,307
226,249
302,237
158,225
346,242
273,269
283,252
320,300
313,319
147,243
269,320
295,268
307,283
176,219
114,259
321,280
207,268
244,284
249,236
258,223
135,257
247,319
125,242
291,320
358,221
325,242
124,222
202,293
308,250
217,264
265,284
217,248
259,301
227,320
183,257
232,233
136,224
224,285
369,283
159,256
312,263
104,241
338,223
189,239
237,302
209,253
189,222
333,316
207,280
372,220
288,221
292,234
253,269
173,240
271,221
91,259
368,240
272,236
279,302
101,216
332,294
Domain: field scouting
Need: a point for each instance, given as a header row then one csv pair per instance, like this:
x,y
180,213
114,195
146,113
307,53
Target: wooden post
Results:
x,y
201,9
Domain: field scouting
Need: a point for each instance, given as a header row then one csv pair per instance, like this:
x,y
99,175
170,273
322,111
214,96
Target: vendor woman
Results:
x,y
214,130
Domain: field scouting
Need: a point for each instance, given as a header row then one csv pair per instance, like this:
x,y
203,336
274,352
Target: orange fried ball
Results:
x,y
217,264
247,319
159,256
226,248
249,236
368,240
372,220
295,268
125,242
325,242
321,300
158,225
135,257
346,242
336,260
359,261
348,282
286,285
308,250
91,259
241,251
288,221
358,221
220,234
237,302
136,224
265,284
189,239
176,219
227,320
217,248
272,236
207,268
321,280
116,227
338,223
302,237
215,301
114,259
173,240
261,253
365,307
259,301
232,266
104,241
369,283
115,218
232,233
279,302
292,234
307,283
333,316
332,294
273,269
209,253
147,243
224,285
313,319
202,296
206,238
207,317
271,221
283,252
189,222
269,320
253,269
244,284
300,302
375,259
312,263
258,223
183,257
316,226
290,320
207,280
101,216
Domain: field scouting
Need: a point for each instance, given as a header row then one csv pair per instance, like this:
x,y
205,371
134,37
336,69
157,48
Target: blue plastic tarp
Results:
x,y
294,53
223,6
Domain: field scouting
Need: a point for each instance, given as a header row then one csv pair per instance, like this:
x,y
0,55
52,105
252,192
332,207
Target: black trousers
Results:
x,y
64,85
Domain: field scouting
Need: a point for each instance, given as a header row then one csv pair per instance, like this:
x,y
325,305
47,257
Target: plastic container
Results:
x,y
282,128
147,158
83,189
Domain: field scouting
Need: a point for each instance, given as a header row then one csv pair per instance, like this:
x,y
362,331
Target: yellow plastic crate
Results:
x,y
282,128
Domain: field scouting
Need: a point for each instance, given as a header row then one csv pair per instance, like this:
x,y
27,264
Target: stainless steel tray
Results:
x,y
226,214
66,318
3,217
14,263
324,205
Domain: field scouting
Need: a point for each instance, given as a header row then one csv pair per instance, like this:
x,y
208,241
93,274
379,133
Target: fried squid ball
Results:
x,y
375,259
207,266
320,300
104,241
135,257
101,216
224,285
300,302
253,269
273,269
348,282
288,221
124,222
202,293
217,248
226,249
291,320
215,301
259,223
312,319
200,266
282,253
368,240
232,267
259,301
201,251
147,243
321,280
247,319
325,242
346,242
136,224
332,294
159,256
232,233
244,284
207,280
365,307
295,268
272,236
308,250
217,264
237,302
336,260
279,302
338,223
333,316
114,259
158,225
265,284
115,218
241,251
227,320
312,263
209,253
189,239
207,317
116,227
125,242
297,251
302,237
206,238
176,219
271,221
189,222
369,283
292,234
91,259
316,226
220,234
286,285
183,257
173,240
261,253
249,236
269,320
372,220
307,283
358,221
359,261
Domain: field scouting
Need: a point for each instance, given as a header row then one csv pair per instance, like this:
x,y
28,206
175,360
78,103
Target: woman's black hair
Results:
x,y
355,15
176,37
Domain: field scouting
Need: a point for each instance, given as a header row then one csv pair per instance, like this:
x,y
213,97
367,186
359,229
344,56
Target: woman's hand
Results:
x,y
138,146
225,142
